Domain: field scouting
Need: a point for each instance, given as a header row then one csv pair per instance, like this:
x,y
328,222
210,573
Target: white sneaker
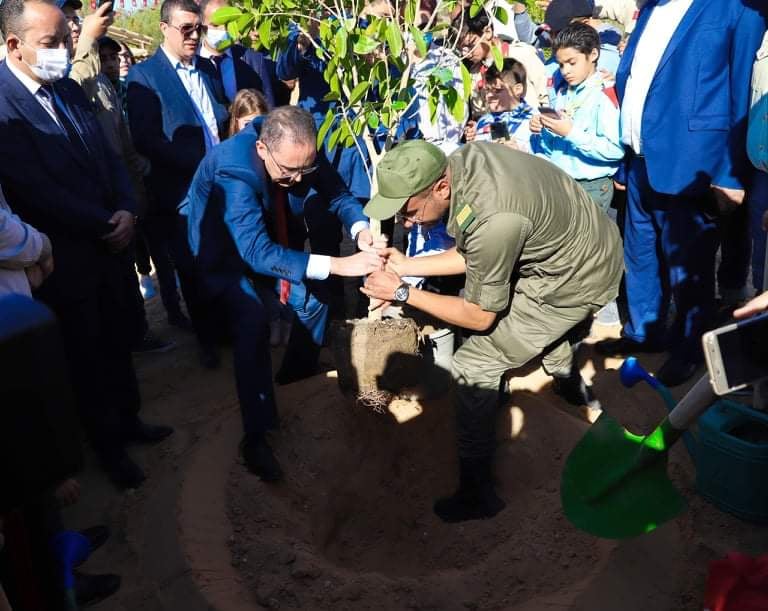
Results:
x,y
147,287
609,315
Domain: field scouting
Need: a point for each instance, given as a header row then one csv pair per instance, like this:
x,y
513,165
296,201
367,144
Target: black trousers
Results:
x,y
98,332
168,245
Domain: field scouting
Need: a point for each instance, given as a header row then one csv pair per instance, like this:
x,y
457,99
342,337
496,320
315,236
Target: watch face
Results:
x,y
401,294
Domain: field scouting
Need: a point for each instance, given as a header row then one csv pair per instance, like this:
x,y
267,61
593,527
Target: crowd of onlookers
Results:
x,y
659,112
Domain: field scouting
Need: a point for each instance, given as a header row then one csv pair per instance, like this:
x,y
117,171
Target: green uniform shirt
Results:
x,y
523,224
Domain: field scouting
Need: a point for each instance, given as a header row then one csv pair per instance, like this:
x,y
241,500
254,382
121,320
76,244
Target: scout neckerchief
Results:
x,y
578,96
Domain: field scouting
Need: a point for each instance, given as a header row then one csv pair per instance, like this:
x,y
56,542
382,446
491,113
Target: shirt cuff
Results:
x,y
357,228
318,267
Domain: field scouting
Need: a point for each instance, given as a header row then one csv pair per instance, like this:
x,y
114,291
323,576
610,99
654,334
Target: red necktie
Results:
x,y
281,223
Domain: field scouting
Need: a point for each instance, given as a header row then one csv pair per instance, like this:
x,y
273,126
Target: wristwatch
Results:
x,y
401,293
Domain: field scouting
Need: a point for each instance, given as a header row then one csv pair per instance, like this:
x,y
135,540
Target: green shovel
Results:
x,y
615,483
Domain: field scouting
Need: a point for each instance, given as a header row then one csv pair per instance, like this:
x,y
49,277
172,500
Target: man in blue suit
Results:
x,y
246,232
238,67
683,84
60,175
177,112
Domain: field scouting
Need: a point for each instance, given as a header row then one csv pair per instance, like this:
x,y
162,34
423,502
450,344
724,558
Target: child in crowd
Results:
x,y
580,134
247,105
509,117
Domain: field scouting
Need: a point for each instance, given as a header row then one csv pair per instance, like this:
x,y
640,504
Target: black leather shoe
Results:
x,y
141,432
125,473
625,346
260,459
96,535
91,589
676,371
476,498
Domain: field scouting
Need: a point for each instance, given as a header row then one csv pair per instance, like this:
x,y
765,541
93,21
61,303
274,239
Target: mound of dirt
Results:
x,y
353,521
352,526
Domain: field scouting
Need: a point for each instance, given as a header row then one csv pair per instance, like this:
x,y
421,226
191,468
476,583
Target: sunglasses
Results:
x,y
186,30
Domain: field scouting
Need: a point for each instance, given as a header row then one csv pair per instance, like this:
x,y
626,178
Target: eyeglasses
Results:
x,y
288,173
416,217
186,30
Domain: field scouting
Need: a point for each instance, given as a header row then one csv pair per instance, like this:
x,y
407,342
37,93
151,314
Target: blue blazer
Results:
x,y
61,189
231,227
695,117
166,128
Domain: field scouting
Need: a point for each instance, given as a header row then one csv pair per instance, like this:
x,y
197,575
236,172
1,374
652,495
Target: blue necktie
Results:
x,y
73,134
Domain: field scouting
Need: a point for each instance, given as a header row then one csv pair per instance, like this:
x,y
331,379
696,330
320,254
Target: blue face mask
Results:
x,y
217,38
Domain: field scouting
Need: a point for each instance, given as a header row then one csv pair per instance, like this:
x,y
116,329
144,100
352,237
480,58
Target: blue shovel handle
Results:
x,y
631,372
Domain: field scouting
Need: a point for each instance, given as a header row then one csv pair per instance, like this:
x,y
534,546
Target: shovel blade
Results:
x,y
607,493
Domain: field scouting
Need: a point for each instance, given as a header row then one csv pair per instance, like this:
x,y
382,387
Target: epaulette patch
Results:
x,y
465,217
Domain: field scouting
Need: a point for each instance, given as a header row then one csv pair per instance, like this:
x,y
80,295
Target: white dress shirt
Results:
x,y
193,83
654,39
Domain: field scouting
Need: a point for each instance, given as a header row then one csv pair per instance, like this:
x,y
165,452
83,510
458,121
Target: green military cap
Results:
x,y
407,169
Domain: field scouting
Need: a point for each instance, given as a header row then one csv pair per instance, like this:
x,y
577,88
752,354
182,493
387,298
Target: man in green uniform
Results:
x,y
539,257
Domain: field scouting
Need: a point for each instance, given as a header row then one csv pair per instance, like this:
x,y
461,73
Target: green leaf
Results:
x,y
358,92
233,30
501,14
466,79
365,45
341,42
457,105
335,84
410,12
326,125
248,4
325,32
245,23
444,75
334,138
498,58
225,14
373,119
432,104
475,8
394,39
331,96
418,39
265,32
399,105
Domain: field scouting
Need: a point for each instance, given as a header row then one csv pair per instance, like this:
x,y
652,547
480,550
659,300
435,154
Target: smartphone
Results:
x,y
499,131
737,353
550,112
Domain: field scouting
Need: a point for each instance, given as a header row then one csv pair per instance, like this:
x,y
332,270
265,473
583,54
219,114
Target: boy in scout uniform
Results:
x,y
539,257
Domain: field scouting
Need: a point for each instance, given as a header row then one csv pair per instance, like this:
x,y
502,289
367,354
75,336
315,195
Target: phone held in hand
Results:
x,y
549,112
499,131
737,353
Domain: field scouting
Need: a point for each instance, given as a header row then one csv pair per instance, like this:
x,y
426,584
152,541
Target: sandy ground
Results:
x,y
352,527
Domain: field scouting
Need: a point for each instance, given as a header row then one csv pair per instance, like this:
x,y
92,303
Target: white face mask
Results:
x,y
217,38
51,65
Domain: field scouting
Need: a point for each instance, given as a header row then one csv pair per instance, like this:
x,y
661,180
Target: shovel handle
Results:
x,y
695,402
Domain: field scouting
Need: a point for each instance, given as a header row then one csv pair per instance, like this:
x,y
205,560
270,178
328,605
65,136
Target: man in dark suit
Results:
x,y
683,85
238,67
59,174
247,233
177,112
